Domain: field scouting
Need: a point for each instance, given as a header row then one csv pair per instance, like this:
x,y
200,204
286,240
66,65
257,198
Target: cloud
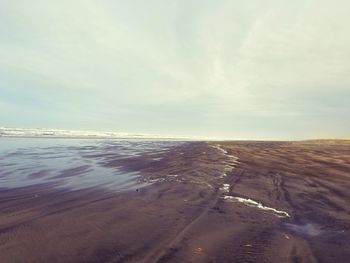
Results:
x,y
272,67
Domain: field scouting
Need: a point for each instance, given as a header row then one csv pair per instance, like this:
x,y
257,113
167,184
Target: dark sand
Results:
x,y
183,216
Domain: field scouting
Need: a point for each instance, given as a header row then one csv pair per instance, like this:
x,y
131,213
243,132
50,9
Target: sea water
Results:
x,y
72,163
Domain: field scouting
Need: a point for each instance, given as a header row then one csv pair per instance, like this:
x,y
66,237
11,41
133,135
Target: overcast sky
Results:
x,y
234,69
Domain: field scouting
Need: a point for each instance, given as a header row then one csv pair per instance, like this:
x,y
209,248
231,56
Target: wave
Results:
x,y
60,133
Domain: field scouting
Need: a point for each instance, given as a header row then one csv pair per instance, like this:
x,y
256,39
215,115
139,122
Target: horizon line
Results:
x,y
59,133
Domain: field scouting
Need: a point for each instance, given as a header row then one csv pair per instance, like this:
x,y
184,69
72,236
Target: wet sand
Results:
x,y
278,202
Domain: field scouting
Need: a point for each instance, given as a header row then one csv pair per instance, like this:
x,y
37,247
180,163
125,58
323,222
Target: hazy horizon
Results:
x,y
217,69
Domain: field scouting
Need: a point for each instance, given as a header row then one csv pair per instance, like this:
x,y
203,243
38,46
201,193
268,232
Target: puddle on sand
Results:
x,y
309,229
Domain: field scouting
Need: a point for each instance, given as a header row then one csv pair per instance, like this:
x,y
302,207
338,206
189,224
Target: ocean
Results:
x,y
75,163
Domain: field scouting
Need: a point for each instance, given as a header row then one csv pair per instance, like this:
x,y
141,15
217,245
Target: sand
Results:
x,y
183,215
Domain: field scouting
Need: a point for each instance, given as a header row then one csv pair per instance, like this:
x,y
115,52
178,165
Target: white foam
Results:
x,y
225,188
218,147
233,159
60,133
172,175
223,175
230,164
158,180
252,203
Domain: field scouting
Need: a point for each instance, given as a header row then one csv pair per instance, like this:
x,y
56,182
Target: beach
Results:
x,y
239,201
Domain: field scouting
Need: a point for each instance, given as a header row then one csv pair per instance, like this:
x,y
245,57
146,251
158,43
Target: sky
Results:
x,y
238,69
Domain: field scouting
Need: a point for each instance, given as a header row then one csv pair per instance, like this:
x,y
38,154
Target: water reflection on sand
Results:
x,y
72,163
